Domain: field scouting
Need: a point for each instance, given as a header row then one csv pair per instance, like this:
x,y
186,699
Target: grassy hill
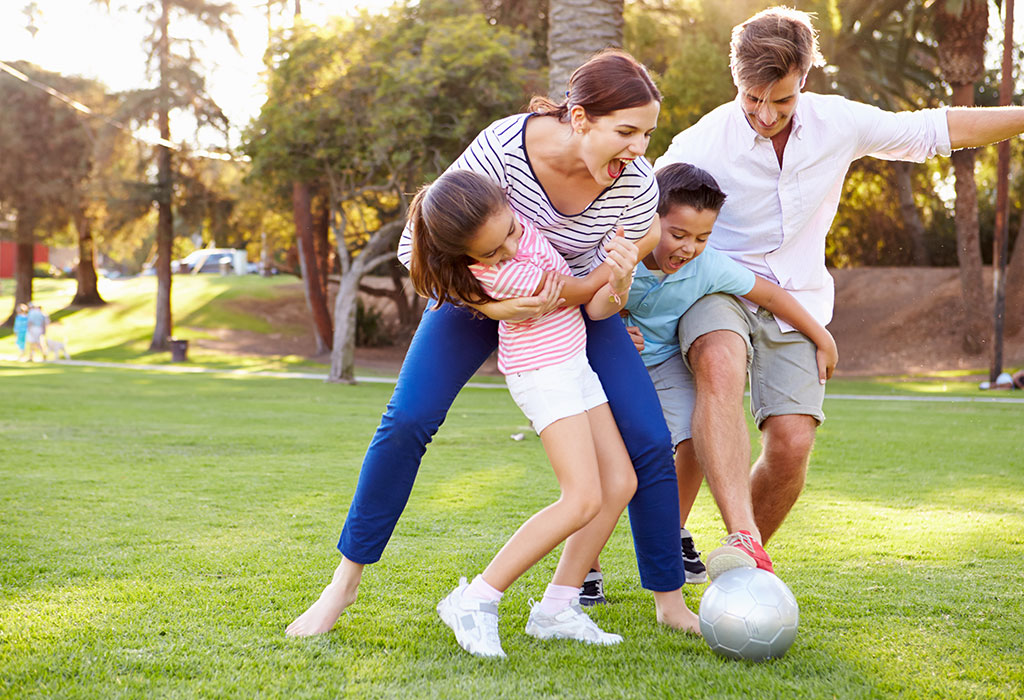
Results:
x,y
202,308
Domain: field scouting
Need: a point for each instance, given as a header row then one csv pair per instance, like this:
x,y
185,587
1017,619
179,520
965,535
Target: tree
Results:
x,y
372,108
576,30
46,151
180,86
960,28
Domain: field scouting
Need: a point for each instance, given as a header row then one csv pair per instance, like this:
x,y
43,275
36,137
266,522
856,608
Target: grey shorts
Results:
x,y
782,366
676,393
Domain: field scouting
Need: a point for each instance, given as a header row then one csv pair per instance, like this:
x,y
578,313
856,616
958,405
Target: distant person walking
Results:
x,y
35,331
21,329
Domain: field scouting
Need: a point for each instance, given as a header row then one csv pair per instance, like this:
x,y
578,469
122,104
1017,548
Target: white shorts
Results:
x,y
557,391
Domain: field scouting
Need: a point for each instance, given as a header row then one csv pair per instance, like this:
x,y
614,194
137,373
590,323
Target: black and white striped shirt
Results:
x,y
499,152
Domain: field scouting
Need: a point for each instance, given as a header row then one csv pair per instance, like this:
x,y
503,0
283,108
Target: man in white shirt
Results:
x,y
781,155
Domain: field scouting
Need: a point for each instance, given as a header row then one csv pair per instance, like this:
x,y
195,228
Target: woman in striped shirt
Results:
x,y
576,170
469,247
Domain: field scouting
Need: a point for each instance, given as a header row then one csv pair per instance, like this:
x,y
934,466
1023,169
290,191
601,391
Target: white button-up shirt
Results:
x,y
775,220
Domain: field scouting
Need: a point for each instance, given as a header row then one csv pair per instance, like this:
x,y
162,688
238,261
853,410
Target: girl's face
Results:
x,y
497,240
611,142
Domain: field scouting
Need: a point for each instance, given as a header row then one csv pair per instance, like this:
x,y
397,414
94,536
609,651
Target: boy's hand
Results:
x,y
827,357
636,336
622,256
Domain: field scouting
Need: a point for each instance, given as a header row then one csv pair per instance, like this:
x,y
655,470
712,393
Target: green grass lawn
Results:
x,y
122,330
158,532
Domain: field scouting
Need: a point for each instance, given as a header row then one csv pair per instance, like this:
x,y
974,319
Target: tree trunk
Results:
x,y
315,298
343,359
904,181
88,293
968,248
165,222
1015,284
321,237
577,29
24,261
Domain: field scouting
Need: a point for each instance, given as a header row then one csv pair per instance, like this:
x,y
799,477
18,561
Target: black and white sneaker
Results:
x,y
592,590
694,567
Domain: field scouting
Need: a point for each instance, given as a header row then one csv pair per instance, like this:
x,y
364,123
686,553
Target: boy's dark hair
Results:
x,y
682,184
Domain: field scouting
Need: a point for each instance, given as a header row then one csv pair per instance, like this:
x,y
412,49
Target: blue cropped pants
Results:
x,y
448,347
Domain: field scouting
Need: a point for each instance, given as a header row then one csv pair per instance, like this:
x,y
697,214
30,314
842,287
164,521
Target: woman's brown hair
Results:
x,y
609,81
444,216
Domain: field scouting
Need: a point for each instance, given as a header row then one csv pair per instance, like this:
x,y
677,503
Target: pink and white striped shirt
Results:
x,y
537,342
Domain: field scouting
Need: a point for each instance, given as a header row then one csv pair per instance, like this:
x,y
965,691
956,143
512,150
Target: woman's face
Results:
x,y
611,142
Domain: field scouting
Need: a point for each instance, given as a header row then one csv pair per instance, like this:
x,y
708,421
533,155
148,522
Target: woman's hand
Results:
x,y
547,298
622,256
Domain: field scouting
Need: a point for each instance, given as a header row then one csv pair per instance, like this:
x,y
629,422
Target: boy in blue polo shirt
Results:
x,y
678,272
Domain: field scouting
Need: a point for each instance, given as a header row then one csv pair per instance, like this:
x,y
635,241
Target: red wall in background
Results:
x,y
9,252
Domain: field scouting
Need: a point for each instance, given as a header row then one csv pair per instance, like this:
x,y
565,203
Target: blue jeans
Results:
x,y
448,347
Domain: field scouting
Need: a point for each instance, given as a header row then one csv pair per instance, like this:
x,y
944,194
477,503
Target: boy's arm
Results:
x,y
781,303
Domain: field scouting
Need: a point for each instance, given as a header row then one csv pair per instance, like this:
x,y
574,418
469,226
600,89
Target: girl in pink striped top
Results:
x,y
469,247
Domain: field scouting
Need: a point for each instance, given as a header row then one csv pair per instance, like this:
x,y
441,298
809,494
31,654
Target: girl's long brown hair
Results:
x,y
444,216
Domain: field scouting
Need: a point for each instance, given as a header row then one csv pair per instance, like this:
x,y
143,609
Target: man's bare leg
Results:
x,y
338,595
779,473
720,437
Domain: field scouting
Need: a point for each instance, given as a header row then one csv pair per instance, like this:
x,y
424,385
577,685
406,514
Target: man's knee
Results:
x,y
789,439
719,360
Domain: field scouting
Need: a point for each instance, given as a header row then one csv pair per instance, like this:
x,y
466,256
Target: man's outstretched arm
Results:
x,y
970,127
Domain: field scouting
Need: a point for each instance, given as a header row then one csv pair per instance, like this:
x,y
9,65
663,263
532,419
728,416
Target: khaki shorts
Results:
x,y
676,394
782,366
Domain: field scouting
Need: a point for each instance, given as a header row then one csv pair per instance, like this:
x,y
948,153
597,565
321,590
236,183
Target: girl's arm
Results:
x,y
781,303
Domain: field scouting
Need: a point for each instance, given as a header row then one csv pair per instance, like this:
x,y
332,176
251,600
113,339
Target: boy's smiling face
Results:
x,y
684,235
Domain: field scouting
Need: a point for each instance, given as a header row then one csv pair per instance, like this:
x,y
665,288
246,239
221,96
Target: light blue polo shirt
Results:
x,y
655,305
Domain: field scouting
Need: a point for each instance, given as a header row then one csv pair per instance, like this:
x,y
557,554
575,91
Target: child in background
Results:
x,y
678,272
21,329
469,247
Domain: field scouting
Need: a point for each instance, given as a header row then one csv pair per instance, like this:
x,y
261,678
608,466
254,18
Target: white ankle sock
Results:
x,y
481,590
558,598
683,532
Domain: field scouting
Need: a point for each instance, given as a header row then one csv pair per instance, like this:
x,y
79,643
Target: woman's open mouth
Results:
x,y
616,166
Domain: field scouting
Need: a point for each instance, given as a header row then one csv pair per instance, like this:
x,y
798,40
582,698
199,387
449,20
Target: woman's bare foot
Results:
x,y
671,610
338,595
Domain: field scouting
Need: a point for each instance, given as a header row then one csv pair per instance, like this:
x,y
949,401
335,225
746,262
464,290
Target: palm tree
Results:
x,y
960,28
576,30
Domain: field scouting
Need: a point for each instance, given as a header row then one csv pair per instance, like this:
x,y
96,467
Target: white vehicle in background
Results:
x,y
213,260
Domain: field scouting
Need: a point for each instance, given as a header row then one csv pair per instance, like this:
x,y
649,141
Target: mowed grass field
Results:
x,y
159,531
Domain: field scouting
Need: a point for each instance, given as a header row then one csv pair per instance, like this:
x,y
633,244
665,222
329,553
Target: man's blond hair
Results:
x,y
771,45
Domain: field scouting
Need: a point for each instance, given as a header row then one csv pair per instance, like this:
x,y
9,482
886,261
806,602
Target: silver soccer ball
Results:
x,y
749,614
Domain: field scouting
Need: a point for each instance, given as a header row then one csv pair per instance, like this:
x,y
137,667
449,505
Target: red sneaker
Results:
x,y
739,549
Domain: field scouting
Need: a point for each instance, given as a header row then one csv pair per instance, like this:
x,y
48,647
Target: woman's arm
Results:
x,y
781,303
547,297
611,297
564,290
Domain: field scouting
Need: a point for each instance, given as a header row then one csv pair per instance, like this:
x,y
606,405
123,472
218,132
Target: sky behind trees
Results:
x,y
110,47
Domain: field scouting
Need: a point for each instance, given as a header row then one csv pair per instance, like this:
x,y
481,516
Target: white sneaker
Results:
x,y
569,623
474,622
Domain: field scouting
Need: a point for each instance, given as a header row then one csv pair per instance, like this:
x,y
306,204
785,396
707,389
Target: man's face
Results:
x,y
769,108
